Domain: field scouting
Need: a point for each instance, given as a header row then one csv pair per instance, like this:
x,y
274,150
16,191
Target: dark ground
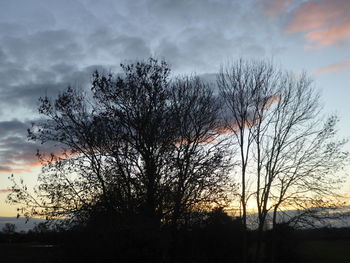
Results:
x,y
321,246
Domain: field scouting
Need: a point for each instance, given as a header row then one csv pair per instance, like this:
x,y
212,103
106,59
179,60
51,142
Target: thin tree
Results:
x,y
243,88
289,151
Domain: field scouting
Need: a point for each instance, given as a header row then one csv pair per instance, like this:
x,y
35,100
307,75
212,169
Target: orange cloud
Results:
x,y
23,167
343,65
313,15
234,126
26,165
331,35
5,191
274,7
271,100
324,22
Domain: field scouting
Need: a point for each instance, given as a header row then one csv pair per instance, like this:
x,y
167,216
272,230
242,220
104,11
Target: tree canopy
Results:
x,y
137,145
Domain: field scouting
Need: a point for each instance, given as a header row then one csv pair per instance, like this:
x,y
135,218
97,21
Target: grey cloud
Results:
x,y
2,56
43,48
26,96
207,50
38,15
209,78
198,13
105,44
12,127
43,82
48,61
30,14
47,45
254,50
29,71
17,154
12,30
17,149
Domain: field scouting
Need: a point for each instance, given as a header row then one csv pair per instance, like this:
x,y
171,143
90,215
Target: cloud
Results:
x,y
34,64
47,45
323,22
12,127
17,154
5,191
333,35
340,66
21,88
275,7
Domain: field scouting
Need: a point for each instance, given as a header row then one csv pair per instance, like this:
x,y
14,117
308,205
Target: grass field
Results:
x,y
311,251
28,252
324,251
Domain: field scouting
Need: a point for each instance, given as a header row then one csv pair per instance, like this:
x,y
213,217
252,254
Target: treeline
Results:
x,y
218,239
142,164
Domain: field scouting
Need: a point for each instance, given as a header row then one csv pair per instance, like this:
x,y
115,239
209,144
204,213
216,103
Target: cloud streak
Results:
x,y
275,7
17,154
5,191
42,54
323,23
47,45
340,66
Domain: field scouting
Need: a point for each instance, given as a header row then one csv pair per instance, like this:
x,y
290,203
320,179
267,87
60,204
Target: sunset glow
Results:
x,y
47,46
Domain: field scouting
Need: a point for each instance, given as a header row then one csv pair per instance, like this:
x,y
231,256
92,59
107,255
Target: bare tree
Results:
x,y
9,229
245,89
288,150
301,156
137,146
201,156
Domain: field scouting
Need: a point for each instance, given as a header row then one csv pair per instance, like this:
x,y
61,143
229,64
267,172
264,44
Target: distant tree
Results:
x,y
138,146
289,152
9,228
41,228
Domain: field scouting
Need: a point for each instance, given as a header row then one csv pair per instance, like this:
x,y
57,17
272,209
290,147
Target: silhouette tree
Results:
x,y
245,90
139,146
41,228
9,228
288,151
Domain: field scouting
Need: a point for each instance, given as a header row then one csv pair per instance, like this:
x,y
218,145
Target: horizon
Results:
x,y
47,46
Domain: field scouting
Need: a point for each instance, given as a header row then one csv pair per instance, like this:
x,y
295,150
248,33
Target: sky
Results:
x,y
46,45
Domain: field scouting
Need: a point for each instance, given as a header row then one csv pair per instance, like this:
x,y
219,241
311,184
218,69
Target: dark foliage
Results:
x,y
216,238
139,146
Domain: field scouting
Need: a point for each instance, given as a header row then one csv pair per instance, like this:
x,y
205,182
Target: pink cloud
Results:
x,y
28,162
330,36
324,22
313,15
25,168
5,191
275,7
343,65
